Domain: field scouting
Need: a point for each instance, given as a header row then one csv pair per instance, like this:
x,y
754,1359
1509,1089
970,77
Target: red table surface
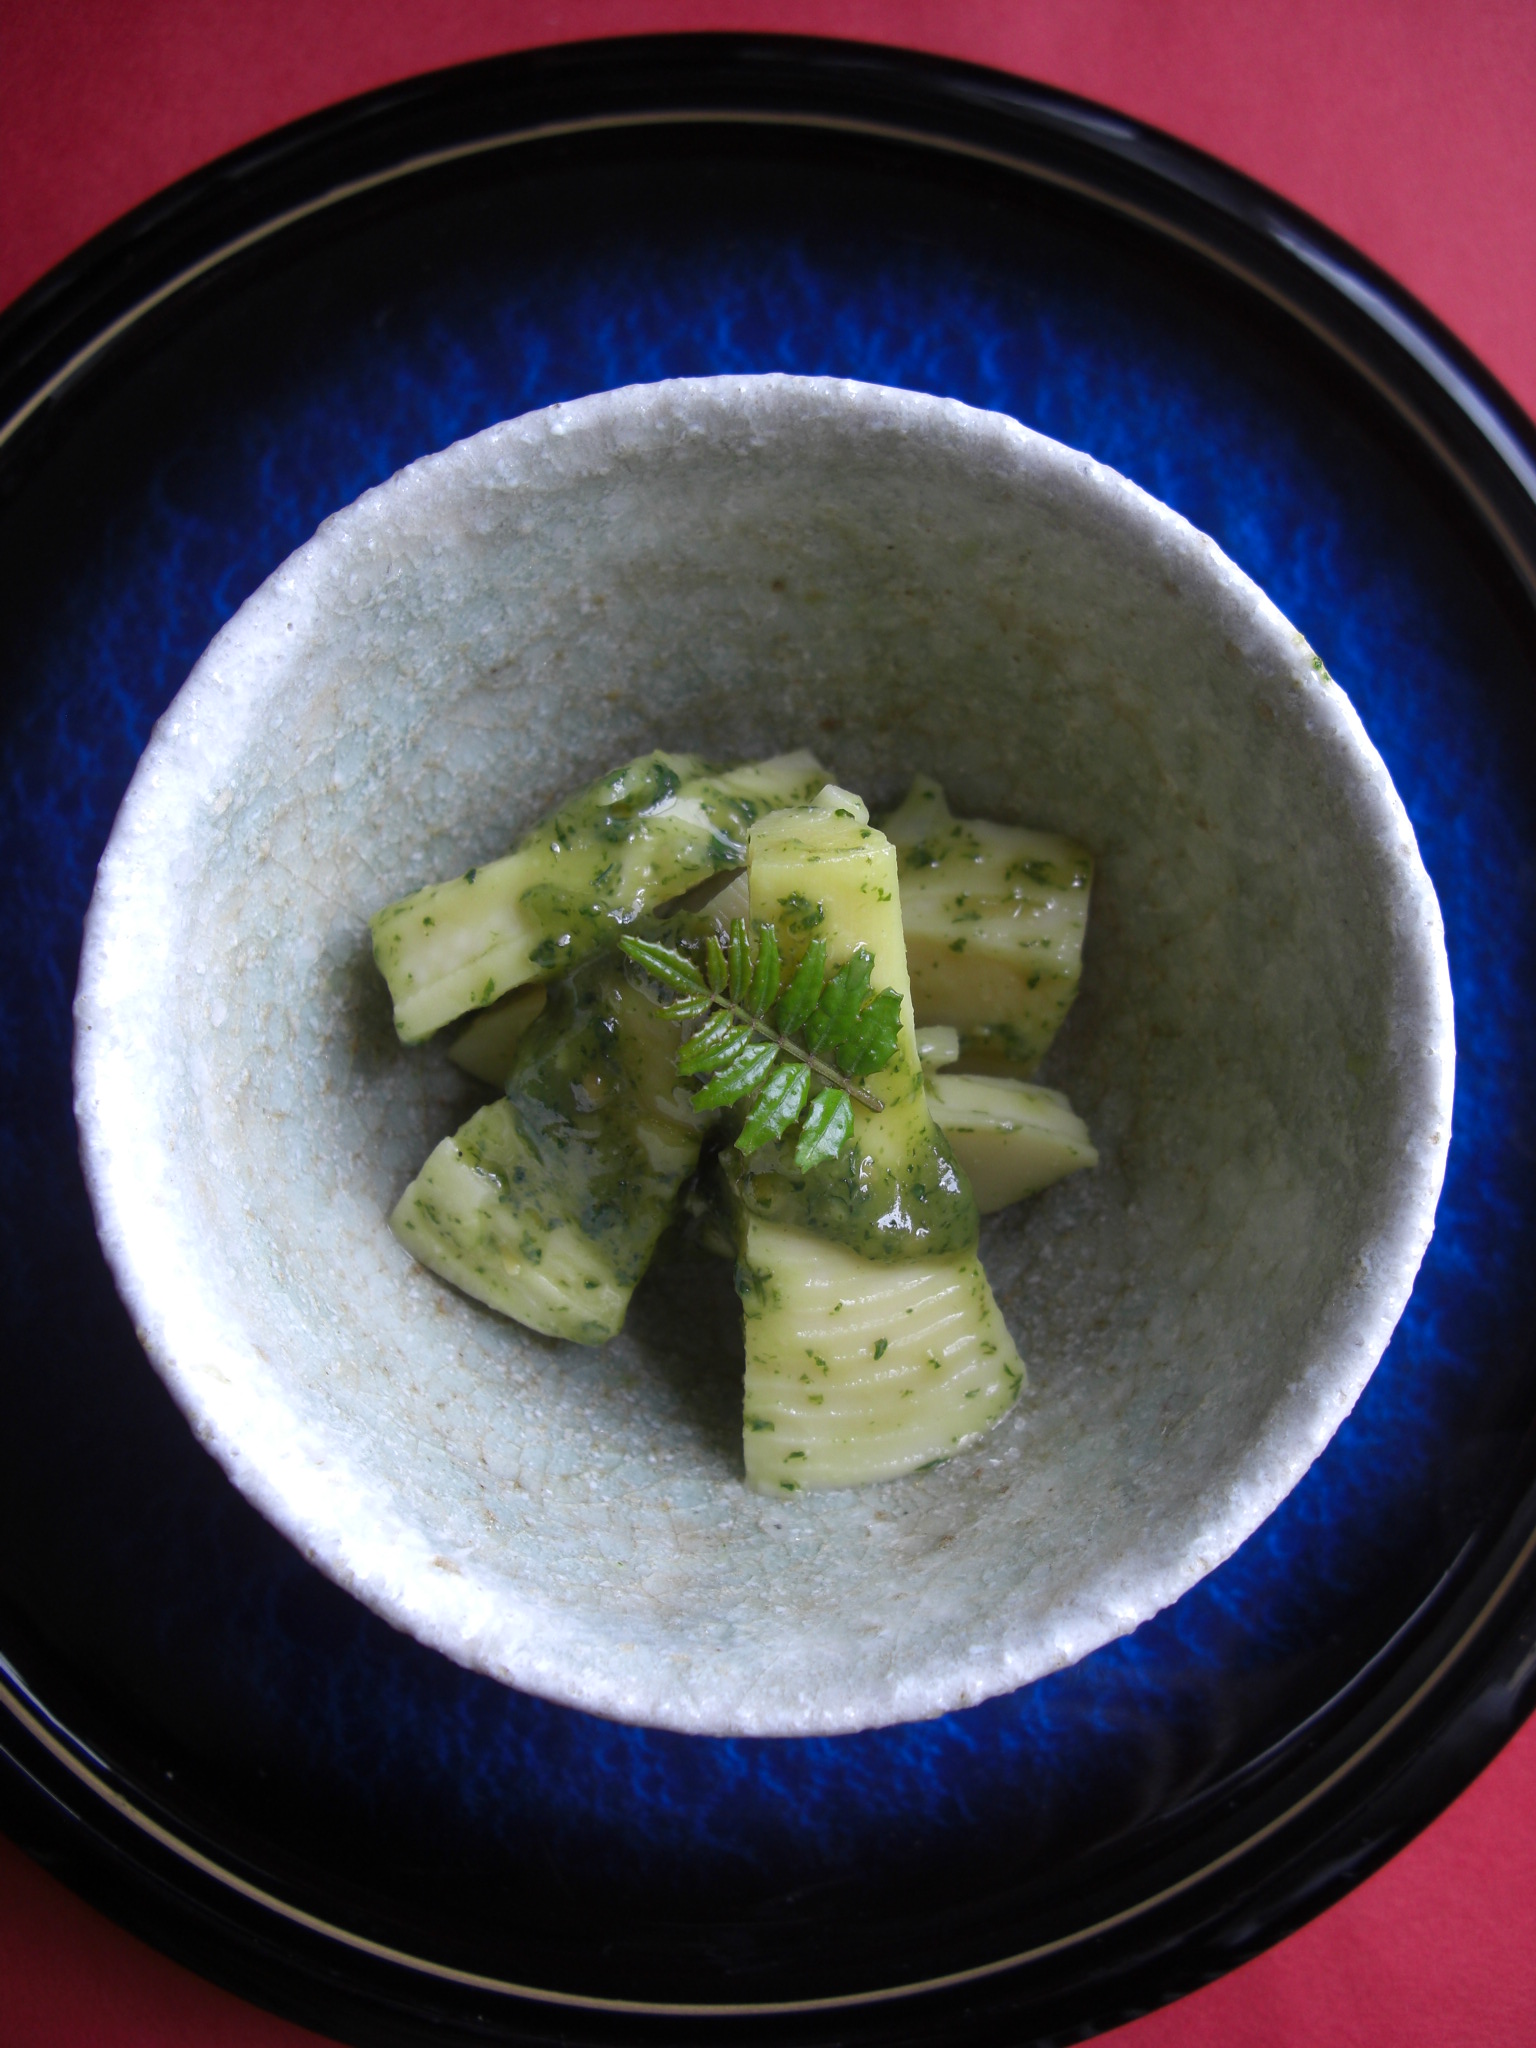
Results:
x,y
1407,125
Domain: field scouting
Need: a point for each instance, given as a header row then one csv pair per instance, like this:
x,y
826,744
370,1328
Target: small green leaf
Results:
x,y
721,1039
849,1054
765,980
840,1003
827,1128
741,959
665,966
871,1044
738,1053
747,1071
803,991
885,1013
781,1101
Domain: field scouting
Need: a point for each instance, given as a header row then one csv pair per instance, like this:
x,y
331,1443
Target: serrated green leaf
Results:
x,y
747,1071
739,1054
798,1003
871,1044
765,978
741,959
827,1128
840,1001
665,966
721,1039
701,1050
781,1101
848,1055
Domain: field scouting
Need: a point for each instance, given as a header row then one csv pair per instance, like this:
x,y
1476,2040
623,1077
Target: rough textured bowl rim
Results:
x,y
347,1522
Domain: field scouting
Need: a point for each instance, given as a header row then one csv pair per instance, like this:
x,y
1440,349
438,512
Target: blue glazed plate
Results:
x,y
205,1734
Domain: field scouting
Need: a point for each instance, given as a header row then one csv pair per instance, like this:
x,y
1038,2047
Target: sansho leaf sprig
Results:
x,y
759,1042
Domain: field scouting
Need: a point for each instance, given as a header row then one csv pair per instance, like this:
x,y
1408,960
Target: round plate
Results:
x,y
207,1736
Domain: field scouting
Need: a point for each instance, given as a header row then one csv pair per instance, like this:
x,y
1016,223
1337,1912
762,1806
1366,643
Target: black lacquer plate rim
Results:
x,y
1434,1705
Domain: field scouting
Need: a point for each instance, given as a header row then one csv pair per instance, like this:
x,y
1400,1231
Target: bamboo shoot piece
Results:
x,y
821,875
859,1371
994,918
619,847
548,1204
878,1349
487,1047
1011,1138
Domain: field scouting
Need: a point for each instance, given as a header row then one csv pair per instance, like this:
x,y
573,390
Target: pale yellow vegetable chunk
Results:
x,y
486,1047
1011,1138
861,1367
549,1204
820,873
525,1258
621,846
833,797
859,1371
994,918
938,1045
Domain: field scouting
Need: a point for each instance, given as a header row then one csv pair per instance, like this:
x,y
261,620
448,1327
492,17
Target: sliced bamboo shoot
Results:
x,y
1011,1138
994,919
487,1047
477,1214
548,1204
823,873
621,846
859,1371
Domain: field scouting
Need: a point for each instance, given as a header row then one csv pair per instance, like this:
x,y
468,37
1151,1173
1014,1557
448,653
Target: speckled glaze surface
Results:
x,y
1263,1047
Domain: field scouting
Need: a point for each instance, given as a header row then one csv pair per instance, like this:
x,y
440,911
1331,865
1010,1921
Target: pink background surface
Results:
x,y
1409,126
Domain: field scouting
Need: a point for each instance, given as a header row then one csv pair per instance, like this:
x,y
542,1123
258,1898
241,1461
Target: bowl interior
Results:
x,y
1262,1047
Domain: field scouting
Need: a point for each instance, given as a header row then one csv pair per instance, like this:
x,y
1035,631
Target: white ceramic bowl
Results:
x,y
736,566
